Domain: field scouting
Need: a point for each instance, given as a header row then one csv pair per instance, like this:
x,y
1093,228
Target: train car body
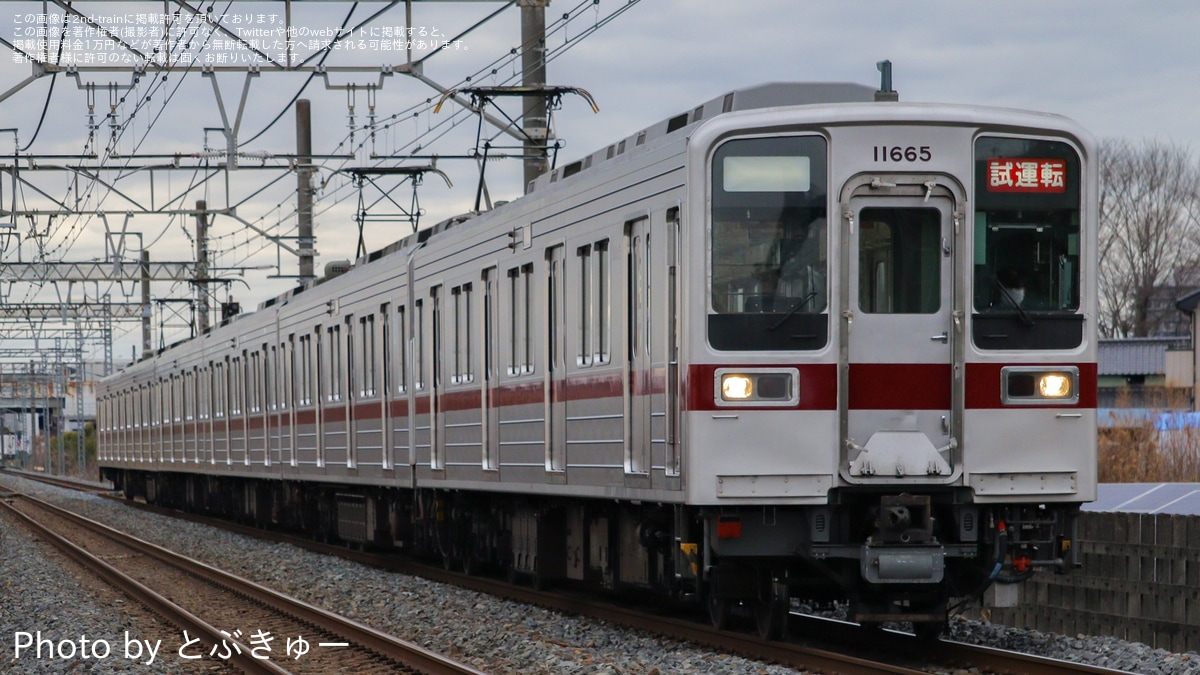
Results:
x,y
793,342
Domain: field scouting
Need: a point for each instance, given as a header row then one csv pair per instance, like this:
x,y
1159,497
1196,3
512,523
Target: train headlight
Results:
x,y
1038,385
757,386
1055,385
736,387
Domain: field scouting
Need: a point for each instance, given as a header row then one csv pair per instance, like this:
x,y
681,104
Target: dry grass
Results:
x,y
1132,450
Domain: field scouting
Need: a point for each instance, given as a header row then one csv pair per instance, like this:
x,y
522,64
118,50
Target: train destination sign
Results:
x,y
1026,175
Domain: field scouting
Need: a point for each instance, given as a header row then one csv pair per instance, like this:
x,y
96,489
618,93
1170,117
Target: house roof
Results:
x,y
1189,302
1136,356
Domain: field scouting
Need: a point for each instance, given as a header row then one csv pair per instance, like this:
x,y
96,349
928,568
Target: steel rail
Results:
x,y
957,654
401,651
148,597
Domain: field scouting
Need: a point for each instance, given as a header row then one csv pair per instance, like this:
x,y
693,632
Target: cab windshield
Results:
x,y
1027,244
769,266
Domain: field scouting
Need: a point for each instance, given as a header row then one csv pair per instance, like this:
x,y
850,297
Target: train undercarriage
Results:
x,y
891,556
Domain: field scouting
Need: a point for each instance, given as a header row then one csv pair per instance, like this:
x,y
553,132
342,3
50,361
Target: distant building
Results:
x,y
1188,304
1169,319
1154,372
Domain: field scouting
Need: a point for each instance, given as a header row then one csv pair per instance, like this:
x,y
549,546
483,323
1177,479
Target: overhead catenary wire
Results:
x,y
66,232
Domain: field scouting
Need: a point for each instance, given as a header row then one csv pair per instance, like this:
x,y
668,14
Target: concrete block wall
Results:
x,y
1140,581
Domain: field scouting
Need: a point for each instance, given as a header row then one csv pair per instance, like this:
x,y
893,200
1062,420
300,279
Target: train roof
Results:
x,y
758,97
767,95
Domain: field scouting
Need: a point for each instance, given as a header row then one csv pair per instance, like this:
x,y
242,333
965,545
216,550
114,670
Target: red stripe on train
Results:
x,y
899,386
818,386
983,384
873,386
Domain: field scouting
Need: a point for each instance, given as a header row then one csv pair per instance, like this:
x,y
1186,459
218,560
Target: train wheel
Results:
x,y
719,611
771,618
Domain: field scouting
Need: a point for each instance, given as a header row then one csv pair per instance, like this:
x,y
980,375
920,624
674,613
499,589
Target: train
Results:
x,y
803,340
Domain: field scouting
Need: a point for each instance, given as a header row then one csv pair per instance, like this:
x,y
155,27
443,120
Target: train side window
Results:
x,y
489,323
401,351
555,312
270,376
203,393
162,407
418,356
385,351
335,363
462,370
584,353
435,326
514,320
236,382
319,371
527,300
220,389
254,383
304,379
291,376
366,378
456,365
353,358
521,322
186,400
287,372
603,353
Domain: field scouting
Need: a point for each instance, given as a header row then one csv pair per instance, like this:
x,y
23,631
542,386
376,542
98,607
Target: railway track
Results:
x,y
844,648
225,617
886,648
58,481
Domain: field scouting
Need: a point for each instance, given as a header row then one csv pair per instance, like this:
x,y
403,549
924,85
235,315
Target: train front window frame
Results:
x,y
768,244
1027,257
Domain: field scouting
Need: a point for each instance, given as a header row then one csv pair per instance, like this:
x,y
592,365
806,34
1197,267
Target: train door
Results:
x,y
491,429
900,393
437,422
638,374
671,404
556,408
319,387
289,398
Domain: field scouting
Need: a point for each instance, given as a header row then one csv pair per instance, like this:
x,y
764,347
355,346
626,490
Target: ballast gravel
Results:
x,y
494,635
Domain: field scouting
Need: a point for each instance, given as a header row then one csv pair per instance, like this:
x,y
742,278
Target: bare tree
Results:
x,y
1149,227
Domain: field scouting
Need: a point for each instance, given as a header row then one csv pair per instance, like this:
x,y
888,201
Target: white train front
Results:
x,y
791,343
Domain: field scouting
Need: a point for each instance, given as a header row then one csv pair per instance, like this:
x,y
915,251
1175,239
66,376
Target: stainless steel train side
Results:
x,y
791,342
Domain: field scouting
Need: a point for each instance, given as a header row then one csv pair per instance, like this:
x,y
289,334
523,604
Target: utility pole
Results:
x,y
533,74
304,196
202,266
80,447
147,342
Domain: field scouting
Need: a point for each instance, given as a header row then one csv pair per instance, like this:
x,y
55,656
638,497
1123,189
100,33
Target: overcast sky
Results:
x,y
1121,69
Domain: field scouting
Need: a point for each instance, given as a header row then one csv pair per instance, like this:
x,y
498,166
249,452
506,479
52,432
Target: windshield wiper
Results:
x,y
792,312
1025,318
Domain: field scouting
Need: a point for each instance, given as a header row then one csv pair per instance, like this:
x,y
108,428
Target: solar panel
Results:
x,y
1173,498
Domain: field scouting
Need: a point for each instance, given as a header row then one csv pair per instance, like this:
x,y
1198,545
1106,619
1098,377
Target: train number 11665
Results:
x,y
897,153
